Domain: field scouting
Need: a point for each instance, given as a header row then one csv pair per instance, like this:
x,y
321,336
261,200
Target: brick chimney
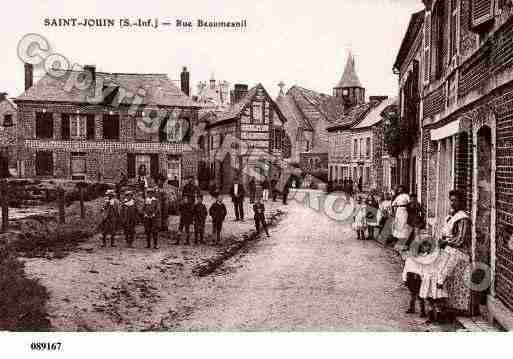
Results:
x,y
92,70
239,92
29,76
185,81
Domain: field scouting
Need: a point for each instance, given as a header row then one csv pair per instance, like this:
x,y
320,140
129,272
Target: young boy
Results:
x,y
130,217
412,277
218,213
110,212
259,210
200,217
151,214
187,218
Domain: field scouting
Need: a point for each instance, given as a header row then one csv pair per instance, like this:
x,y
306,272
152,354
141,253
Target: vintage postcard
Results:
x,y
256,166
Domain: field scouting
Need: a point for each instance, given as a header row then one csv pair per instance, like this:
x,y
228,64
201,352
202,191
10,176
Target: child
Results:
x,y
200,217
412,276
360,219
130,216
259,210
151,213
218,213
110,212
187,218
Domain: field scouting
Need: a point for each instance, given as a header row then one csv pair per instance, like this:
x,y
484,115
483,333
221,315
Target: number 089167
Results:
x,y
46,346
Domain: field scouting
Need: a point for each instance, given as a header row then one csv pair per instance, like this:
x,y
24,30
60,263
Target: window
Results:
x,y
361,147
307,146
258,112
65,129
368,147
454,28
277,138
78,165
44,163
482,11
221,140
90,127
77,126
44,125
111,127
439,38
8,120
427,47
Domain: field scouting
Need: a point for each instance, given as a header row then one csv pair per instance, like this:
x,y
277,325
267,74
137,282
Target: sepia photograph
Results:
x,y
263,167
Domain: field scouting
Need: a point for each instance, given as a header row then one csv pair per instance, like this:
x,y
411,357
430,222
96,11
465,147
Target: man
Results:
x,y
110,212
252,190
190,190
187,218
286,190
237,193
151,215
174,182
274,191
164,205
200,217
265,189
130,217
259,210
218,213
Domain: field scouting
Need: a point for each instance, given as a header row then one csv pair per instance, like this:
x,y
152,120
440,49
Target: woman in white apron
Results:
x,y
401,229
447,278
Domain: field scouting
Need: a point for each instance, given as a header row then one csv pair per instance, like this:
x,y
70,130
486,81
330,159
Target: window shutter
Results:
x,y
65,130
427,47
131,165
482,11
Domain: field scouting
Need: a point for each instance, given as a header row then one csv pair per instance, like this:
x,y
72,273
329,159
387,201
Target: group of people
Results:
x,y
346,185
151,207
436,269
269,189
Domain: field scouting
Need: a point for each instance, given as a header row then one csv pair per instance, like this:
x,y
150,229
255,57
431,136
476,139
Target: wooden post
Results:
x,y
5,205
60,201
82,208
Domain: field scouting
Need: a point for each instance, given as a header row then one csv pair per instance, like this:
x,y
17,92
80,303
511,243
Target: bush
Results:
x,y
22,303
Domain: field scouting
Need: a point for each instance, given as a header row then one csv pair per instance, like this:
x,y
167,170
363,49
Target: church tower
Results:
x,y
350,88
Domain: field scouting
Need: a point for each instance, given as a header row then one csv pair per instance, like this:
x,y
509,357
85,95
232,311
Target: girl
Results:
x,y
360,219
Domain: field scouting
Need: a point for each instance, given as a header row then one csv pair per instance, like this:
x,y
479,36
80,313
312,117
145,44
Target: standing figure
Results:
x,y
174,182
259,210
401,229
350,187
237,193
218,213
252,190
110,212
130,217
286,191
187,218
190,190
164,206
142,179
265,189
274,191
360,219
151,215
200,217
360,184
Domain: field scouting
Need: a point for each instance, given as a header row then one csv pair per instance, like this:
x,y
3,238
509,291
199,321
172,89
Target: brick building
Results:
x,y
9,149
467,121
92,125
247,139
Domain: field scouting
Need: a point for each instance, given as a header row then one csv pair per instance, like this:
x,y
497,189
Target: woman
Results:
x,y
401,229
447,277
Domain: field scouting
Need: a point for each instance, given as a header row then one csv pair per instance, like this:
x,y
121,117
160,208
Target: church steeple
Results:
x,y
349,87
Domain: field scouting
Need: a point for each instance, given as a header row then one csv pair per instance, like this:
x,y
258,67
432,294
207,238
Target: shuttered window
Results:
x,y
427,46
454,28
482,11
131,165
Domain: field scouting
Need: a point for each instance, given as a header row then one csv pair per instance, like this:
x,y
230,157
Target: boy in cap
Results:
x,y
187,218
110,212
130,217
218,213
200,217
259,210
151,215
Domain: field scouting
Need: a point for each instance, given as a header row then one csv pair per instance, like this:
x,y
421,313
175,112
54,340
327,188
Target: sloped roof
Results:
x,y
415,25
349,77
374,115
291,111
354,115
157,89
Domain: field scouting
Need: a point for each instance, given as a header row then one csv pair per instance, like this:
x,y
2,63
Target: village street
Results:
x,y
311,275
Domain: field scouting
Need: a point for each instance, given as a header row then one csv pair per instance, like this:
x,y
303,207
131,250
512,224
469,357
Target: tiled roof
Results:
x,y
354,115
374,115
156,89
349,78
415,25
291,111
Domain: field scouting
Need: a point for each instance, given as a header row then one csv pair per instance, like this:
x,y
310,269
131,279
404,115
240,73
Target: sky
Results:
x,y
301,43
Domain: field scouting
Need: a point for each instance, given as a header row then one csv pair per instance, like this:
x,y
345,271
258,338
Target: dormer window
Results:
x,y
8,122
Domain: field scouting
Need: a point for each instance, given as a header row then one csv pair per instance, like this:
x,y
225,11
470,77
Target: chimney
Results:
x,y
184,81
92,71
239,92
29,76
3,96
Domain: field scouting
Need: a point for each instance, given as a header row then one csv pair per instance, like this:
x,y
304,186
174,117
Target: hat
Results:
x,y
110,191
